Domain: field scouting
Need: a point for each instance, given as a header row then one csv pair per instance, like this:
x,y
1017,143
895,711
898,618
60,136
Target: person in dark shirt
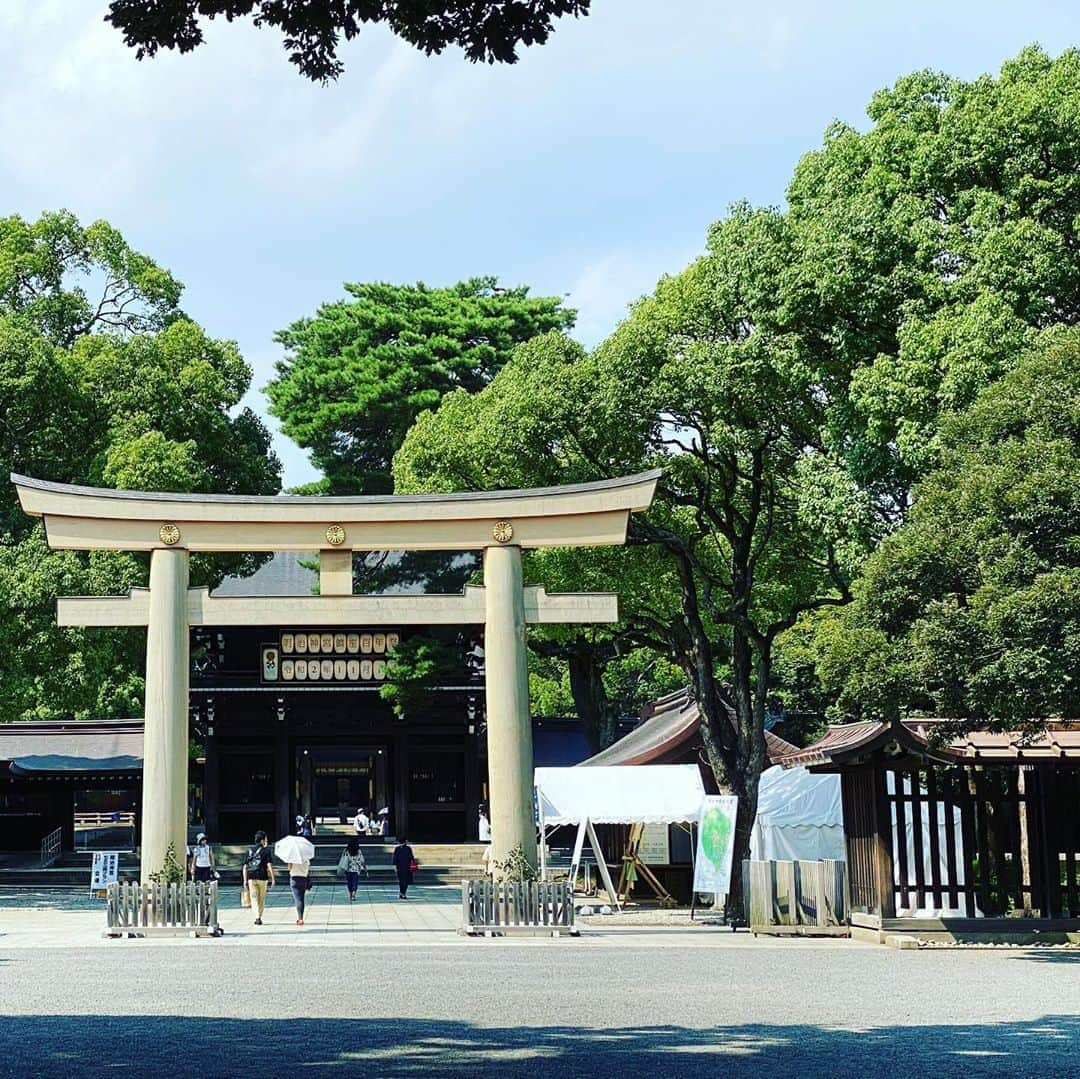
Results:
x,y
404,864
258,874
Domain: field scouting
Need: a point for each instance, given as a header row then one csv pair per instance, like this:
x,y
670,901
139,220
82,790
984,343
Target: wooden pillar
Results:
x,y
506,683
867,843
399,807
283,781
212,789
884,884
67,821
165,734
472,779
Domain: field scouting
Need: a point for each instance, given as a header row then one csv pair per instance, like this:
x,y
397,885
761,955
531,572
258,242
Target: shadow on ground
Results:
x,y
92,1045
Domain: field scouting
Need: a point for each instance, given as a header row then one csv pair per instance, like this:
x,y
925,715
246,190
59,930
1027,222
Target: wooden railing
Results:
x,y
103,820
517,907
51,847
142,910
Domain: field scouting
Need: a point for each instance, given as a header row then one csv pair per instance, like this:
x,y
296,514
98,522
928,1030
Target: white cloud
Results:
x,y
607,286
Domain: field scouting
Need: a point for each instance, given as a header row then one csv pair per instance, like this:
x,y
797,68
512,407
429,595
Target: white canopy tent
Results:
x,y
799,817
615,794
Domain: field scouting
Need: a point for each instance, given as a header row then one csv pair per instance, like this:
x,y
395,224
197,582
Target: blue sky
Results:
x,y
589,169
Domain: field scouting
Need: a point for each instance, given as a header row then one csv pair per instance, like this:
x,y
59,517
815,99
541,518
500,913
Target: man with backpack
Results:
x,y
258,872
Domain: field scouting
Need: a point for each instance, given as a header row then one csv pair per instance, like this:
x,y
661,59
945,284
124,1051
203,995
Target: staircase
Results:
x,y
440,863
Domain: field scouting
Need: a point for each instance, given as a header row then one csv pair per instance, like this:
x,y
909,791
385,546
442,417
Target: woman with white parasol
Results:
x,y
298,853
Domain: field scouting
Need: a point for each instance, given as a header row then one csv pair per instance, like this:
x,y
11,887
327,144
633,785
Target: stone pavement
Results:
x,y
430,916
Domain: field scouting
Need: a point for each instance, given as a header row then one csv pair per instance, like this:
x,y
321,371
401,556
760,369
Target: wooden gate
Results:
x,y
973,841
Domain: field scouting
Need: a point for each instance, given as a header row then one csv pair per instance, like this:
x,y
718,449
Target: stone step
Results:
x,y
230,877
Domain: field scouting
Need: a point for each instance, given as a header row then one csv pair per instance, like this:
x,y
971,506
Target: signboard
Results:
x,y
655,847
716,842
303,657
104,869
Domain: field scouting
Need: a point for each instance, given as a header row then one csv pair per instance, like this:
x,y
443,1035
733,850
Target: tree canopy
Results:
x,y
362,369
932,248
971,610
486,30
796,384
103,381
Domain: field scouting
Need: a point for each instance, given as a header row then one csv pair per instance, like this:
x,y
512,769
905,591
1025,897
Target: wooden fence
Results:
x,y
964,841
517,907
162,909
796,897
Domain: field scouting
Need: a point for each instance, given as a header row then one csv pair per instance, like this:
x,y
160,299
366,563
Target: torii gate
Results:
x,y
171,526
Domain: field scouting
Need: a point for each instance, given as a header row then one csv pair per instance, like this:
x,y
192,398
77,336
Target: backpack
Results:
x,y
254,860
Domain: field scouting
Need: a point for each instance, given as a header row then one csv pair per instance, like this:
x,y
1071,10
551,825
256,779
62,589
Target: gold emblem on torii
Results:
x,y
502,532
335,535
169,534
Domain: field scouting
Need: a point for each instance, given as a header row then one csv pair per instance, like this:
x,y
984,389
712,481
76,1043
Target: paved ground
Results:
x,y
686,1002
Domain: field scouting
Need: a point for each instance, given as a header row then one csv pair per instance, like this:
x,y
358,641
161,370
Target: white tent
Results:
x,y
614,794
617,794
799,817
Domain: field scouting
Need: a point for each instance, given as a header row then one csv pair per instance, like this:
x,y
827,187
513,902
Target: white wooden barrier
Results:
x,y
146,910
796,897
497,908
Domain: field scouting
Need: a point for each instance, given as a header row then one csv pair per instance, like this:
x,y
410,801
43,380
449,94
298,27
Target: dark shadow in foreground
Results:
x,y
87,1046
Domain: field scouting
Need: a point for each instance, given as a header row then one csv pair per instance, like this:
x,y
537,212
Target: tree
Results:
x,y
103,381
487,30
360,371
971,610
934,249
751,526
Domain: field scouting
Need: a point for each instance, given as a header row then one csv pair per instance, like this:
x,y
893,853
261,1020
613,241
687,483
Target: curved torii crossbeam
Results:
x,y
170,526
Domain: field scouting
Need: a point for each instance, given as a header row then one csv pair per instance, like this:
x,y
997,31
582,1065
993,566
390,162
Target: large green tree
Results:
x,y
358,374
487,30
103,381
933,250
971,610
753,524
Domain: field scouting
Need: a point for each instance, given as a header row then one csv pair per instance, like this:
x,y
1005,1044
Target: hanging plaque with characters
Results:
x,y
337,658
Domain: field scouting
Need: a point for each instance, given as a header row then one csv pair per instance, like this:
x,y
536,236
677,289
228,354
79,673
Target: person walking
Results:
x,y
361,821
351,864
483,827
405,865
300,882
202,860
258,874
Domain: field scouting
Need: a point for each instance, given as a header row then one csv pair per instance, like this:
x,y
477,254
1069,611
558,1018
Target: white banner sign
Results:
x,y
716,842
104,869
655,848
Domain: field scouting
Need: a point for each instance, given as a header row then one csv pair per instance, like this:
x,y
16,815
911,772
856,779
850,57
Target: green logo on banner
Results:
x,y
715,835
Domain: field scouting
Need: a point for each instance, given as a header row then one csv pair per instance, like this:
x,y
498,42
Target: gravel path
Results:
x,y
497,1008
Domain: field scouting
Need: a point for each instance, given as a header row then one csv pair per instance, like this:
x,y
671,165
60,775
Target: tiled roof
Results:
x,y
670,725
844,742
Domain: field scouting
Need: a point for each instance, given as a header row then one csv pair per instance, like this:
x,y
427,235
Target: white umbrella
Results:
x,y
294,848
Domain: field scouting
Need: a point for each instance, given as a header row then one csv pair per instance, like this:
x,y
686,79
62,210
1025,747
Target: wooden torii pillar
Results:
x,y
171,526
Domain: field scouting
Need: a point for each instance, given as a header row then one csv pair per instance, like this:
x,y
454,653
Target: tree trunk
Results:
x,y
597,711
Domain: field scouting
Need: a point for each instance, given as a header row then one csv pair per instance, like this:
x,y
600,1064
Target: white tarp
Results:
x,y
620,794
799,817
